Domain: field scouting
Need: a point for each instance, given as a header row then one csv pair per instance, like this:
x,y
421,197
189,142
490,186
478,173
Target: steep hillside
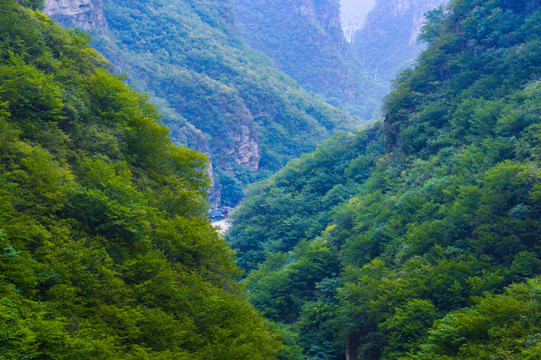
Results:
x,y
421,237
387,41
353,15
105,250
217,94
305,39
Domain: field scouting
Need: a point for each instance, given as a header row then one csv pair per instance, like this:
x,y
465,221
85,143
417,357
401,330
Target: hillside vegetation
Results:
x,y
305,39
105,252
217,94
419,238
388,41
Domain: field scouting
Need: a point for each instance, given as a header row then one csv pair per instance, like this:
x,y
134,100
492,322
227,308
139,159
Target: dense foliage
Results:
x,y
218,95
105,252
437,253
296,203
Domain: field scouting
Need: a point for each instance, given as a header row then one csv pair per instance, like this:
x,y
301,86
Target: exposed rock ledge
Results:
x,y
86,15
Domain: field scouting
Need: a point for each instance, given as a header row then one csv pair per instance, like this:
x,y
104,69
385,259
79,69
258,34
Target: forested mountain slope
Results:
x,y
387,41
305,39
217,94
419,238
348,51
105,250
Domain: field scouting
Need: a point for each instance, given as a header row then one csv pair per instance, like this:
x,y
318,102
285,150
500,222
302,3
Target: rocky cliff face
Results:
x,y
322,14
388,39
353,14
246,149
86,15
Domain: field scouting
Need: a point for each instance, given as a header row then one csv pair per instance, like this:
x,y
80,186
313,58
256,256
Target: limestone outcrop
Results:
x,y
86,15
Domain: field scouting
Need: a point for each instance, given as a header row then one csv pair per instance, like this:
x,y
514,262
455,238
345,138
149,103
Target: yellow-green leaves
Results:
x,y
105,252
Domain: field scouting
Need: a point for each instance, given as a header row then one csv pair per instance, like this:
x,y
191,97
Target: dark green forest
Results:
x,y
105,250
420,236
217,94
